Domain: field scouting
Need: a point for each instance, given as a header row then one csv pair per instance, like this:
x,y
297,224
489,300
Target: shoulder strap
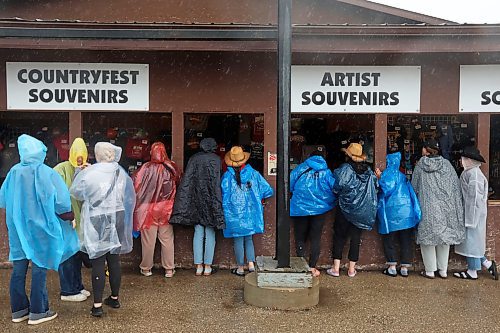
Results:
x,y
98,202
303,173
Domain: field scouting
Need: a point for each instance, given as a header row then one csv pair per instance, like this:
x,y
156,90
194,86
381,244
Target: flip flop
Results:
x,y
331,272
404,275
386,272
463,275
235,272
493,270
353,274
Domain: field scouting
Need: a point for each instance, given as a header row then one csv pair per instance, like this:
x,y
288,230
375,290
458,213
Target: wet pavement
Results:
x,y
370,302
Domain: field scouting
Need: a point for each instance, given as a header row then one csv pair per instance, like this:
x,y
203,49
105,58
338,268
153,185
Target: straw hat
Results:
x,y
355,152
236,157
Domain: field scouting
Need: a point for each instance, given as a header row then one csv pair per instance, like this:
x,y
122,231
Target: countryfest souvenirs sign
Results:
x,y
479,88
77,86
355,89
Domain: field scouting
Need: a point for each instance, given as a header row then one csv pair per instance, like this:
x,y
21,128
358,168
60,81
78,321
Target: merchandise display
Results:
x,y
332,133
494,180
407,133
134,132
49,127
246,130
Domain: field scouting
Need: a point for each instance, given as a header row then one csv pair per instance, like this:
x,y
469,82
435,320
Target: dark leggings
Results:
x,y
309,226
99,275
343,229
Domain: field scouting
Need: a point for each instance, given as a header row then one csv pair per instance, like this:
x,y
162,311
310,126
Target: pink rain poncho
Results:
x,y
155,185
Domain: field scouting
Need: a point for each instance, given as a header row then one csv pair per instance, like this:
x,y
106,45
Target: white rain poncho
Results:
x,y
108,199
475,194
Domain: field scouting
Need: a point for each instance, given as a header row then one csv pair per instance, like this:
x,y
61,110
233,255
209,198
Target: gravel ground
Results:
x,y
370,302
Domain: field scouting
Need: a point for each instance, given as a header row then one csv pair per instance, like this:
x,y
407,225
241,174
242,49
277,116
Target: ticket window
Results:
x,y
494,179
134,132
332,133
49,127
246,130
407,134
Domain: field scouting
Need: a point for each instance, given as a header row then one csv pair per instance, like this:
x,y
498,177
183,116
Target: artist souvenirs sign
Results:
x,y
77,86
479,88
355,89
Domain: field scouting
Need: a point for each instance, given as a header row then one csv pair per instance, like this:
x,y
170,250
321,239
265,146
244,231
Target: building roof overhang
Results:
x,y
422,38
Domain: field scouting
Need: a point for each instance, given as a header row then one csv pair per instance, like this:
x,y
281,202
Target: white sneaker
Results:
x,y
74,298
85,292
21,319
50,315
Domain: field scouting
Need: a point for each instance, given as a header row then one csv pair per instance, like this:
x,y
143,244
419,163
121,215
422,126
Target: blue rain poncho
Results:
x,y
311,184
356,190
243,210
108,199
33,195
399,208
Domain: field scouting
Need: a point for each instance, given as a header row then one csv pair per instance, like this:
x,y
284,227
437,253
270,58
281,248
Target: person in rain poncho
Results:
x,y
398,213
438,190
70,271
37,202
106,219
198,203
155,186
356,189
311,184
243,190
475,194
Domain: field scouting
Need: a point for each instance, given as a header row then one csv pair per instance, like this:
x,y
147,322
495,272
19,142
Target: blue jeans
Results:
x,y
38,303
244,245
70,276
202,235
474,264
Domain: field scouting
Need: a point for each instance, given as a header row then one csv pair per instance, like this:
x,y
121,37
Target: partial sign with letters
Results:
x,y
479,88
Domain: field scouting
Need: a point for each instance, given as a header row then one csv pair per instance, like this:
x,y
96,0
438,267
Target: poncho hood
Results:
x,y
393,160
31,150
208,145
317,163
159,153
431,164
78,149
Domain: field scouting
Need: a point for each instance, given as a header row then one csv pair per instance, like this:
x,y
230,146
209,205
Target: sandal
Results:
x,y
199,271
353,274
439,273
493,270
386,272
170,273
464,275
333,273
403,274
236,272
424,274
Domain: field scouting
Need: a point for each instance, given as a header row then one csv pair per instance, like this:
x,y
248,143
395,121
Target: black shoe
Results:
x,y
493,270
114,303
96,312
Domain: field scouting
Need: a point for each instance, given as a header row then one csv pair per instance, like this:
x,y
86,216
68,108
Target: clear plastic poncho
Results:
x,y
108,199
155,185
33,195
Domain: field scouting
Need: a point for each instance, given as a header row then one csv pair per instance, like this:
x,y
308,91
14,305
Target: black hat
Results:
x,y
473,153
433,144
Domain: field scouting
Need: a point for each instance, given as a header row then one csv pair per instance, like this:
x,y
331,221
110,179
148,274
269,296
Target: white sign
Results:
x,y
272,164
77,86
479,88
355,89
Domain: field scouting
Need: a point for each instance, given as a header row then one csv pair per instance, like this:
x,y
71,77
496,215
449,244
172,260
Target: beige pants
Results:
x,y
435,257
165,234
